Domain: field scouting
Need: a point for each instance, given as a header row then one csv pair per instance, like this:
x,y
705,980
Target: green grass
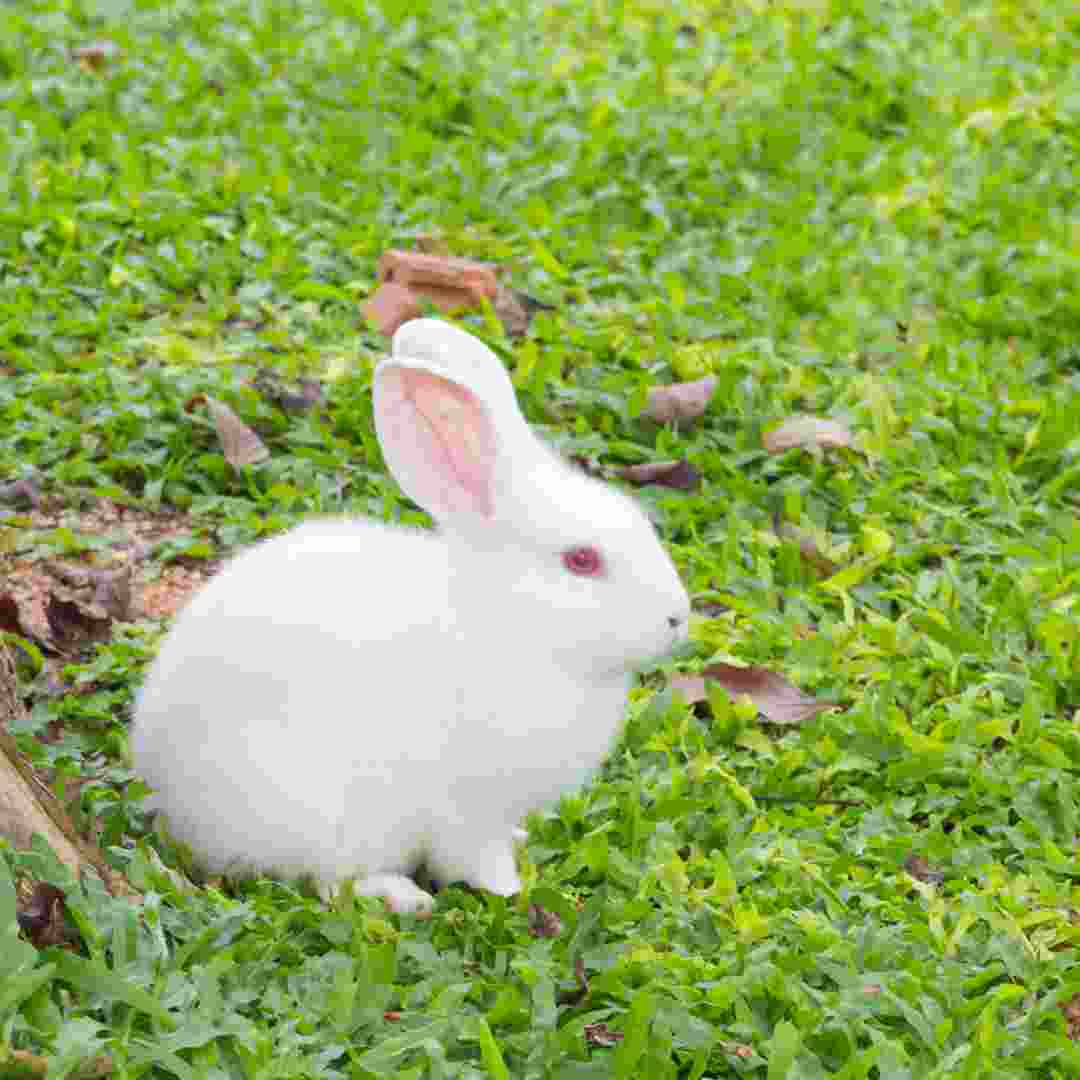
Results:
x,y
867,211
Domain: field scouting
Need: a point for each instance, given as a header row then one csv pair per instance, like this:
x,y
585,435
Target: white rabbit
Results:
x,y
354,700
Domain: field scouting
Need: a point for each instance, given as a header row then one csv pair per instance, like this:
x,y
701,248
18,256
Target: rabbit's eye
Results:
x,y
585,561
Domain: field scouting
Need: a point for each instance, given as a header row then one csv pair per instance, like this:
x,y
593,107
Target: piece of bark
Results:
x,y
29,808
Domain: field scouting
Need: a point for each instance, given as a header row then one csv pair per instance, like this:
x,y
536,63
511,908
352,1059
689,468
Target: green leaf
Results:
x,y
783,1048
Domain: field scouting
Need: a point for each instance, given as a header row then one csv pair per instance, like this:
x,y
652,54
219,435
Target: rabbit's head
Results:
x,y
541,556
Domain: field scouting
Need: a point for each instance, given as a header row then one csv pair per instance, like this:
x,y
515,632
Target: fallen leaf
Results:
x,y
24,490
96,54
238,323
307,395
41,916
807,546
391,1014
922,870
446,280
73,623
778,700
113,592
515,310
450,283
30,1064
511,312
240,445
601,1035
9,615
544,923
581,991
680,475
809,432
431,243
78,577
589,466
680,403
112,586
739,1050
1070,1010
390,306
530,303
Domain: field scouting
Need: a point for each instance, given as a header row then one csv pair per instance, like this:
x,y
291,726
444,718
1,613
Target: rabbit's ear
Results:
x,y
438,440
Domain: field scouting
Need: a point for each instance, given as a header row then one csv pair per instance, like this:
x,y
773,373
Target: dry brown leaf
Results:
x,y
680,403
810,432
28,1064
601,1035
450,283
1071,1011
680,475
78,577
807,546
544,923
307,395
581,991
515,310
73,622
24,490
112,586
431,243
113,592
921,870
41,916
589,466
96,54
739,1050
778,700
10,621
511,312
240,445
390,306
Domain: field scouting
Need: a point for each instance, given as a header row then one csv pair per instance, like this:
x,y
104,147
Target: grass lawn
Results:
x,y
868,212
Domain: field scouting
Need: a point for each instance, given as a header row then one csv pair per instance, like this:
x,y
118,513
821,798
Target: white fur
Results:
x,y
352,699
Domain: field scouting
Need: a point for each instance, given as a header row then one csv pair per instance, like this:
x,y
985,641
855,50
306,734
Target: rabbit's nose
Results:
x,y
675,621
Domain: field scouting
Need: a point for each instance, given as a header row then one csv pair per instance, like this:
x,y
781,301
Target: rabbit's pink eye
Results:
x,y
585,561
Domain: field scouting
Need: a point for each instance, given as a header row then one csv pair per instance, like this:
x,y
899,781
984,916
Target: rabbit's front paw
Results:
x,y
497,874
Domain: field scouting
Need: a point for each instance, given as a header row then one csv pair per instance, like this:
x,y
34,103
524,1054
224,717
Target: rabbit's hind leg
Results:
x,y
401,893
490,867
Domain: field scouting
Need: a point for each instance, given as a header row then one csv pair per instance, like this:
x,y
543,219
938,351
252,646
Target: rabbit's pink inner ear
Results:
x,y
438,441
